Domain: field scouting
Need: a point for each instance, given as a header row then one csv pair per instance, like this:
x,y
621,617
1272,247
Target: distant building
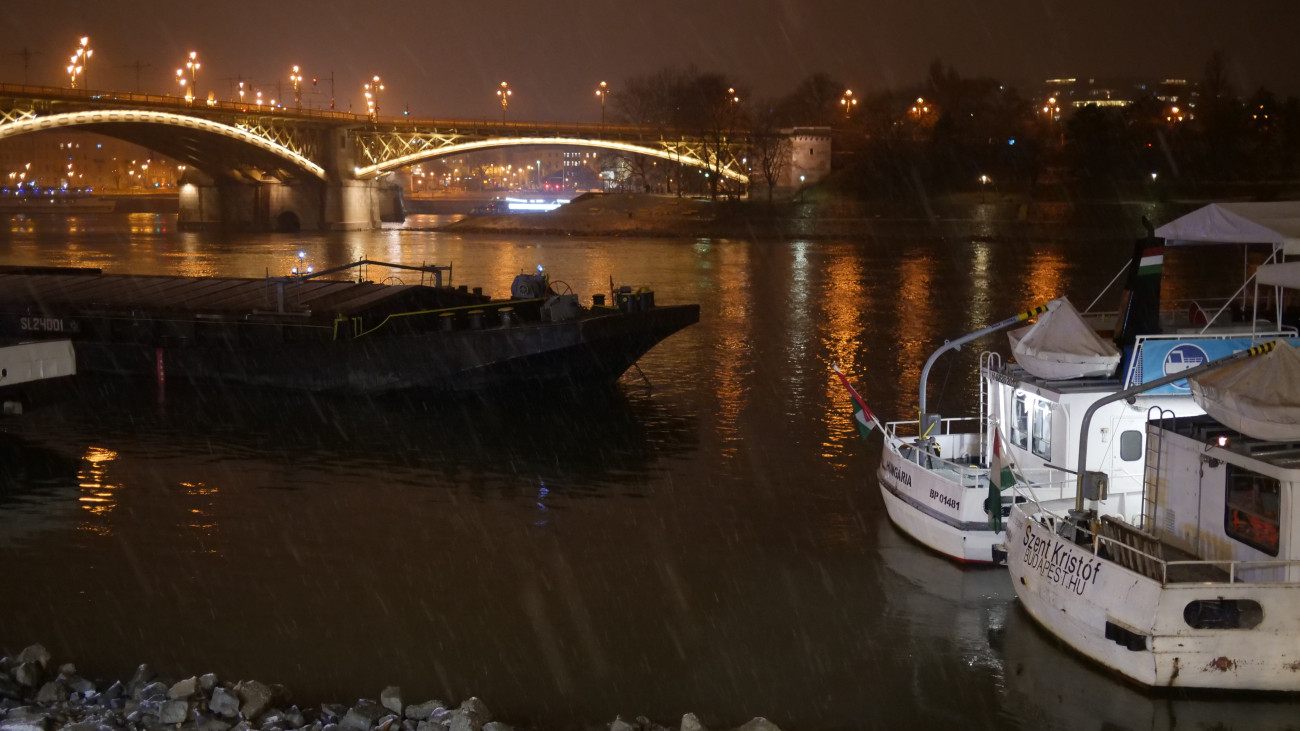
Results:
x,y
1060,97
83,160
810,156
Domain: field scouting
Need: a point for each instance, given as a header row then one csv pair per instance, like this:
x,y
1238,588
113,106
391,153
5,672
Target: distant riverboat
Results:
x,y
56,200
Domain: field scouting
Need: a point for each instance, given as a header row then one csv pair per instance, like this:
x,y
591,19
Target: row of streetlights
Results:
x,y
187,79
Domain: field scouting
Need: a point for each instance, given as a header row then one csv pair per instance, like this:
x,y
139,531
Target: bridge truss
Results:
x,y
254,142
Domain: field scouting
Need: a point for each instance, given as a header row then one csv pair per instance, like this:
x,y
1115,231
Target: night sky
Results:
x,y
445,58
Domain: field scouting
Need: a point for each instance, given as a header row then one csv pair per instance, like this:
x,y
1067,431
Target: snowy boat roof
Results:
x,y
1276,223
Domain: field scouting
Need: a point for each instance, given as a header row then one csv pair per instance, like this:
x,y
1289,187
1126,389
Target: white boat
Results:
x,y
934,472
1202,588
24,363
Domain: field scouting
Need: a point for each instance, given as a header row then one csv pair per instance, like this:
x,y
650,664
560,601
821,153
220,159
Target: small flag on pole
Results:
x,y
863,418
1000,478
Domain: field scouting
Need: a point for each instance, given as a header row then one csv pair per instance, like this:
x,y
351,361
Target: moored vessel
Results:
x,y
1201,589
942,478
319,333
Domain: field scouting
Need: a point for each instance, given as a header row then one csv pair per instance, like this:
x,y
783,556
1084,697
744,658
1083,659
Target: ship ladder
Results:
x,y
1152,465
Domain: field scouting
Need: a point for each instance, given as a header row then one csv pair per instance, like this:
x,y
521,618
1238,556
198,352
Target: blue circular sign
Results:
x,y
1183,357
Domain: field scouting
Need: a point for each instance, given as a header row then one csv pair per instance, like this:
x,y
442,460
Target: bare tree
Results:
x,y
769,148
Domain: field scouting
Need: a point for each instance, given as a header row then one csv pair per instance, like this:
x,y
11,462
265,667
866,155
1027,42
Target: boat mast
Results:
x,y
928,421
1092,485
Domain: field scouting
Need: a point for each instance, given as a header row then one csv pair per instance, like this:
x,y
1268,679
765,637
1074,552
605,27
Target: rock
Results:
x,y
10,689
388,722
78,684
362,716
112,692
497,726
691,723
88,725
391,698
464,722
143,674
207,682
28,674
758,723
35,653
476,708
51,693
151,692
208,723
183,688
24,718
174,711
255,698
7,725
224,703
422,711
618,724
429,726
332,712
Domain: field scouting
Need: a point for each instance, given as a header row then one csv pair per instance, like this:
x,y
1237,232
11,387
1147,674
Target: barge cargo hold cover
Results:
x,y
321,334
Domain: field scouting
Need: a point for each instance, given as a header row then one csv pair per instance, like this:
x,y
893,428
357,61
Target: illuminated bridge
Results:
x,y
258,167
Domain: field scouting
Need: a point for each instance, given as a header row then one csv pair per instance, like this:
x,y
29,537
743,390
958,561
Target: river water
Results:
x,y
705,538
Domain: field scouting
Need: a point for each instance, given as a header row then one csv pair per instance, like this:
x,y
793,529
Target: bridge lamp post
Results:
x,y
296,77
193,66
504,94
79,61
848,102
602,91
372,97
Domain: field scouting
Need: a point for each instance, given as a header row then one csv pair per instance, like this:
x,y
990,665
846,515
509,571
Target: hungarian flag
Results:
x,y
1000,478
1152,261
863,418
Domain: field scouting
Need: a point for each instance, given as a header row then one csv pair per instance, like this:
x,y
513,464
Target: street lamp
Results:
x,y
372,96
601,92
192,66
80,60
296,77
984,185
504,93
848,102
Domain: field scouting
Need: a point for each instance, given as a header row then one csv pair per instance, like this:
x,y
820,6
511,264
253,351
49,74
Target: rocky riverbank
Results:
x,y
38,695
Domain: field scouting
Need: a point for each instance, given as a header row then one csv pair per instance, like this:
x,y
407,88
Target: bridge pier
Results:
x,y
346,205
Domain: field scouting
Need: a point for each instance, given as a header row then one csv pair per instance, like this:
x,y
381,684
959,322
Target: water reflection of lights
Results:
x,y
200,518
1045,277
845,303
146,223
97,495
915,317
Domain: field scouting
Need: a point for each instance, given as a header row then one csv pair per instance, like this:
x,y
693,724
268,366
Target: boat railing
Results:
x,y
947,426
1145,553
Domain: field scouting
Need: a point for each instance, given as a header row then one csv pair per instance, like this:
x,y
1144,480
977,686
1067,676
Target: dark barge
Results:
x,y
322,334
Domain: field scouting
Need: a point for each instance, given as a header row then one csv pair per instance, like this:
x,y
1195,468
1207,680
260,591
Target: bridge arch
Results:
x,y
101,117
372,171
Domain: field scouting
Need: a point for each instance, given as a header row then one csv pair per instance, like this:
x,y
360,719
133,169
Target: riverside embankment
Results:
x,y
969,216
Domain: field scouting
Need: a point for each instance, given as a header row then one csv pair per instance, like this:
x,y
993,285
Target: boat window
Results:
x,y
1130,445
1250,515
1223,614
1042,429
1020,422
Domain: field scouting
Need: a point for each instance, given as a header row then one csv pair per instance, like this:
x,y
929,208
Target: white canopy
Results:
x,y
1276,223
1259,397
1062,345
